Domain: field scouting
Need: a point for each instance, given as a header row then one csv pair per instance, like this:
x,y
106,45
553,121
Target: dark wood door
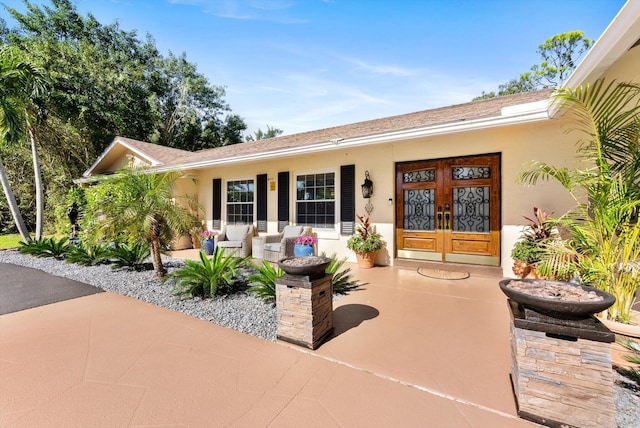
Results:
x,y
449,210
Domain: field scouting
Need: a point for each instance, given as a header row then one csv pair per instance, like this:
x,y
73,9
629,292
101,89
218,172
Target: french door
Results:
x,y
449,210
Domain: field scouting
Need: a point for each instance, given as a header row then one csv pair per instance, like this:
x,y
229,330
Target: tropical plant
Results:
x,y
45,247
132,257
263,282
342,281
210,276
89,255
140,206
634,358
365,239
21,82
308,240
603,226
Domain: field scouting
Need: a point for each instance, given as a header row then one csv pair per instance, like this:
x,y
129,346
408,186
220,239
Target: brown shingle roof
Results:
x,y
440,116
165,155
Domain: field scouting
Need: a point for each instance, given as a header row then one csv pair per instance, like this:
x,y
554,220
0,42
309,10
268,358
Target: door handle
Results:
x,y
447,217
439,217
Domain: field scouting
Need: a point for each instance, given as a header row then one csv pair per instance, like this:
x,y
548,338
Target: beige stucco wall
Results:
x,y
518,145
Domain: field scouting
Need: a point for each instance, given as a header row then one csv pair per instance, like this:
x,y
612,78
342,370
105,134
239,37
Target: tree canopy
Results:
x,y
106,81
559,54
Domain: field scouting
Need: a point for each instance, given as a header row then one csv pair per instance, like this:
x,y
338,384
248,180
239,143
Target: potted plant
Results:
x,y
208,238
603,227
365,242
303,245
529,250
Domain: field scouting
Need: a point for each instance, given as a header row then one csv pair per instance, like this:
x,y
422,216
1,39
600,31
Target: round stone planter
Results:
x,y
629,330
557,306
312,266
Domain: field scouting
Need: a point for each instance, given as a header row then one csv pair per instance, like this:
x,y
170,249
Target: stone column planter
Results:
x,y
560,360
304,301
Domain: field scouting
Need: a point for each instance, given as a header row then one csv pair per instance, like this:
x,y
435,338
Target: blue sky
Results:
x,y
301,65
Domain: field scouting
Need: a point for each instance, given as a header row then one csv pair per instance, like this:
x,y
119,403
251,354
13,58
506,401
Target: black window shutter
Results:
x,y
347,199
283,200
217,203
261,188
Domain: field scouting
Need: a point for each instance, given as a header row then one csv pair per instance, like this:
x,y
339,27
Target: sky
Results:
x,y
302,65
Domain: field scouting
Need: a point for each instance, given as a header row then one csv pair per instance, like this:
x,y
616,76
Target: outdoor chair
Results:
x,y
280,246
235,239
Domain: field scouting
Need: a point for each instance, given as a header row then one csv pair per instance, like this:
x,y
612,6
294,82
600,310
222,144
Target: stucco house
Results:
x,y
444,180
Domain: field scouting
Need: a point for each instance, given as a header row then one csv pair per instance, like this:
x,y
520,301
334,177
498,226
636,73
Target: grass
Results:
x,y
9,241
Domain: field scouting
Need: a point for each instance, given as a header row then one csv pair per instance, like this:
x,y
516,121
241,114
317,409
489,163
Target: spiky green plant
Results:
x,y
45,247
263,282
209,276
89,255
133,257
634,358
342,281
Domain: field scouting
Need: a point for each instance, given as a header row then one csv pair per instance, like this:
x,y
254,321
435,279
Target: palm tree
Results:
x,y
140,206
604,225
20,83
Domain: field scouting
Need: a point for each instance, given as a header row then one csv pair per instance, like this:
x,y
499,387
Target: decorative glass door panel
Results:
x,y
449,210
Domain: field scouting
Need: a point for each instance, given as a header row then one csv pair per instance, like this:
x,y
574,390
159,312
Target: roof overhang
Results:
x,y
112,152
512,115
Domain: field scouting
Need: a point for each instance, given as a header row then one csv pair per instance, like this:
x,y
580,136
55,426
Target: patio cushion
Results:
x,y
237,232
273,247
230,244
291,231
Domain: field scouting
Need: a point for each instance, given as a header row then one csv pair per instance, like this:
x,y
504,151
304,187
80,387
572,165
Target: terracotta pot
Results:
x,y
629,330
366,260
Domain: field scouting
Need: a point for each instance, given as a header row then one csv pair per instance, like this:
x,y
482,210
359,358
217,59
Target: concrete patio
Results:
x,y
407,351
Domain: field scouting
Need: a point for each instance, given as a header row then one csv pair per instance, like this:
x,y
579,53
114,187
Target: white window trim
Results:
x,y
327,233
226,203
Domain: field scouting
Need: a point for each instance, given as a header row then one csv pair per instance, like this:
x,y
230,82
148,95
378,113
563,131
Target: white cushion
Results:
x,y
273,247
291,231
236,232
230,244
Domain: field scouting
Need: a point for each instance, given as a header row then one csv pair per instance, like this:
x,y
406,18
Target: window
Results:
x,y
240,195
316,200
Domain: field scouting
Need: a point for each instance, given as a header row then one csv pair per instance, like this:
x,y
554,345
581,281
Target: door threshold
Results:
x,y
474,270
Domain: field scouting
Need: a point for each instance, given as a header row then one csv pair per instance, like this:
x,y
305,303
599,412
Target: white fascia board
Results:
x,y
152,160
533,112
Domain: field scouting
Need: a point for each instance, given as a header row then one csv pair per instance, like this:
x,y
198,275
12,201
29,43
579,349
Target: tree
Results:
x,y
260,135
140,206
21,82
605,232
559,56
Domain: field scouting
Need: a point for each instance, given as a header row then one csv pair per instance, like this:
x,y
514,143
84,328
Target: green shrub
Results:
x,y
90,255
342,281
46,247
209,277
634,358
133,257
263,282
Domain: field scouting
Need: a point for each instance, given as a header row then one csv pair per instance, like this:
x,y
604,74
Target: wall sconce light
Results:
x,y
367,192
390,202
367,186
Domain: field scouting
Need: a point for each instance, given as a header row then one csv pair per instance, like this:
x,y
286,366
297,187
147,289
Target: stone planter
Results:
x,y
629,330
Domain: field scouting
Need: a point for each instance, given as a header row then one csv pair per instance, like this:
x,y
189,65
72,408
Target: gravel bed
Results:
x,y
242,312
